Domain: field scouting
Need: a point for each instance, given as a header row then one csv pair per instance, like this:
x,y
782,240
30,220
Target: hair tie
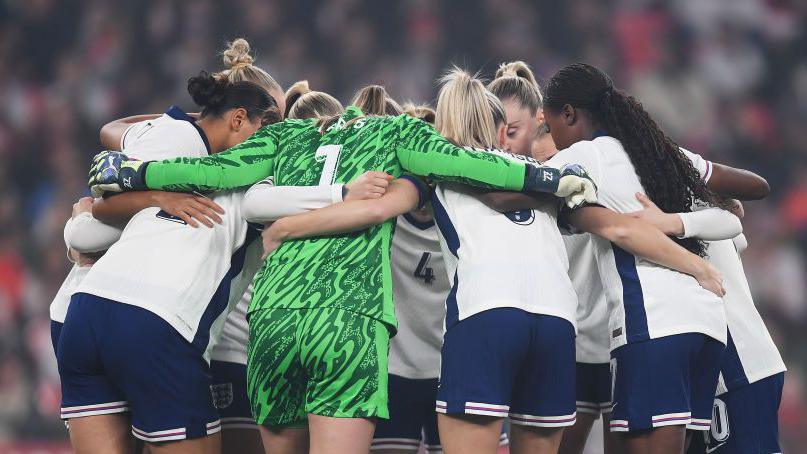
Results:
x,y
240,65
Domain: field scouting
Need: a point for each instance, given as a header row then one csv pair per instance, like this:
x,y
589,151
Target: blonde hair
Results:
x,y
421,112
240,68
467,113
301,102
516,80
374,100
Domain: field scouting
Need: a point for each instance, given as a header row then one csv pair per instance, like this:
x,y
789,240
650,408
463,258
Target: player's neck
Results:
x,y
216,135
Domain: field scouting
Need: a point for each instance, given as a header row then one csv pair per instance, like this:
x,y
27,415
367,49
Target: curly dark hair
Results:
x,y
667,175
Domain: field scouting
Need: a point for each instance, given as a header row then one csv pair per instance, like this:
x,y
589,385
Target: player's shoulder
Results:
x,y
163,137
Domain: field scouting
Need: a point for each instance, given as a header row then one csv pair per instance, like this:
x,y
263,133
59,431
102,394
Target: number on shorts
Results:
x,y
720,421
423,271
329,154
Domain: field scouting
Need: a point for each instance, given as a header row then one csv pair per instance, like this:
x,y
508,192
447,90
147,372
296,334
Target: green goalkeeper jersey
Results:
x,y
350,271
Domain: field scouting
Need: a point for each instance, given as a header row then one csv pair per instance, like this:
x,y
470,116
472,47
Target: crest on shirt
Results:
x,y
222,395
521,217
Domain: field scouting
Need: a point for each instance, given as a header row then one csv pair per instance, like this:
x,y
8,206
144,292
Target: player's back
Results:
x,y
357,264
420,286
592,312
162,264
514,259
645,300
751,354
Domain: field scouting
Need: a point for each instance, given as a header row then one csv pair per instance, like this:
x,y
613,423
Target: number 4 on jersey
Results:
x,y
423,271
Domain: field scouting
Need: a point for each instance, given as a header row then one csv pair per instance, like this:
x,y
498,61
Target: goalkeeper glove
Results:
x,y
113,171
571,183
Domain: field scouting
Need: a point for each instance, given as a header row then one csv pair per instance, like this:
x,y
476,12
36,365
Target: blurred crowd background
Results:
x,y
725,78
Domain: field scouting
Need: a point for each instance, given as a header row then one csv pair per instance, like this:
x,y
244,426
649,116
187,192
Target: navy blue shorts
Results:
x,y
55,334
229,390
668,381
116,357
745,420
412,419
507,362
593,388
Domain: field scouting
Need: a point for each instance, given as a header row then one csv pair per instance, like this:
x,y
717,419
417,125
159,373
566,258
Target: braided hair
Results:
x,y
667,175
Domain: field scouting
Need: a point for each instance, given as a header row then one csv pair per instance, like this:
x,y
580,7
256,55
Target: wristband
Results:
x,y
541,179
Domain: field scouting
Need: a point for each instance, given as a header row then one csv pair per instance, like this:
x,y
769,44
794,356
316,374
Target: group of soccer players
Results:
x,y
281,274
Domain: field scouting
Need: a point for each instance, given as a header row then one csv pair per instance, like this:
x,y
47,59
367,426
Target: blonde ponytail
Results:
x,y
301,102
467,113
240,67
515,80
421,112
374,100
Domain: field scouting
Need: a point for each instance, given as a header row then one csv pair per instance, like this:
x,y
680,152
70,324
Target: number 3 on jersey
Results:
x,y
423,271
329,154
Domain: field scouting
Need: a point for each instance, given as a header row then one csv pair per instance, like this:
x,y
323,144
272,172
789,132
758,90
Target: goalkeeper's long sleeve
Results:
x,y
422,151
241,165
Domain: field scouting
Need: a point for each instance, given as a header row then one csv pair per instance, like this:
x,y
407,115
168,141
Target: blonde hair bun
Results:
x,y
516,69
237,54
298,89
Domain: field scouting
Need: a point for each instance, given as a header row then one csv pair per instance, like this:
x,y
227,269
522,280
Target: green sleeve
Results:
x,y
422,151
241,165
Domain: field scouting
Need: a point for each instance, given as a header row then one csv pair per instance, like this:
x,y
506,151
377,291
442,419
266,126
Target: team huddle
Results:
x,y
281,274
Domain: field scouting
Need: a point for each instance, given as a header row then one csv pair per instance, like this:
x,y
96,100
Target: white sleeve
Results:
x,y
711,224
265,202
583,153
86,234
740,243
703,166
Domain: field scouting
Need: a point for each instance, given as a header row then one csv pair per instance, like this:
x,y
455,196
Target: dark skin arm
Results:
x,y
118,209
643,239
740,184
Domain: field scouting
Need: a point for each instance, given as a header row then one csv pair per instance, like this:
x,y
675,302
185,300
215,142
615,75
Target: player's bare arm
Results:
x,y
643,239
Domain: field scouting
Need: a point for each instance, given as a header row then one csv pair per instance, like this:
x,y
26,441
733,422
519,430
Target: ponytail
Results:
x,y
301,102
374,100
421,112
667,175
467,113
216,96
515,80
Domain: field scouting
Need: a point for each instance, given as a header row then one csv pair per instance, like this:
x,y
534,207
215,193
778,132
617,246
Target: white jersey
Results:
x,y
420,286
60,303
591,345
645,300
499,260
751,354
180,273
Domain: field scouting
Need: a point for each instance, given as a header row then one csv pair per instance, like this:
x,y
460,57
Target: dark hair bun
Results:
x,y
207,91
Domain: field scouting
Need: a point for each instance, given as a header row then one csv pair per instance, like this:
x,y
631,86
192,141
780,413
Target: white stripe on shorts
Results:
x,y
95,409
543,421
160,435
672,419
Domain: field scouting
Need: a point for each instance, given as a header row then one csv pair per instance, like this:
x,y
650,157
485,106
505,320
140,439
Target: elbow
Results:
x,y
736,226
618,233
249,209
376,213
80,243
761,190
